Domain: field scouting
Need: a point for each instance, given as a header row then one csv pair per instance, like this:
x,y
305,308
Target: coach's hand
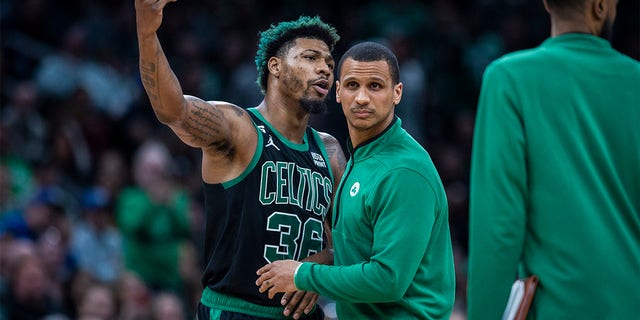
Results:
x,y
149,15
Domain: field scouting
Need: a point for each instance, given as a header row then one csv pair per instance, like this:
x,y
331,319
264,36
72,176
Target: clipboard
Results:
x,y
520,298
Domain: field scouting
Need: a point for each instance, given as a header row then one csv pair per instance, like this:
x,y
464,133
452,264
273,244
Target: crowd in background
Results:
x,y
101,205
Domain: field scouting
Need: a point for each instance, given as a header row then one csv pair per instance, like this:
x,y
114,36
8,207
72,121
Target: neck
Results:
x,y
559,27
286,116
359,137
574,22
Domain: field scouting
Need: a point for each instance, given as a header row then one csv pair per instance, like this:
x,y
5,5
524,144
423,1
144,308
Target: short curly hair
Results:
x,y
278,39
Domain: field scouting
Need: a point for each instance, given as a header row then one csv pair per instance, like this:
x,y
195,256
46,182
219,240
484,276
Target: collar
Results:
x,y
578,38
376,143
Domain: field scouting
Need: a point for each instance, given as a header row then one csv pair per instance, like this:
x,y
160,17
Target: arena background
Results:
x,y
73,107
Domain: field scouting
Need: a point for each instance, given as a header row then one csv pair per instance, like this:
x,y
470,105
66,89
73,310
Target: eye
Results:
x,y
310,58
351,85
375,86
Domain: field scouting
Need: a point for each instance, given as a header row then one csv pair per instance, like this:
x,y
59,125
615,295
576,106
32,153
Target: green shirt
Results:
x,y
393,254
555,182
152,236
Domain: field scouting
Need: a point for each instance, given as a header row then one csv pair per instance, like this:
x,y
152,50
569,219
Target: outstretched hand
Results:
x,y
149,15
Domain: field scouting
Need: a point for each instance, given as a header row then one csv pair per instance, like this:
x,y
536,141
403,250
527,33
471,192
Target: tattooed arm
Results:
x,y
224,131
159,81
338,162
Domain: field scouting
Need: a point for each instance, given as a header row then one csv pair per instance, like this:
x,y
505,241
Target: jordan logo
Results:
x,y
271,144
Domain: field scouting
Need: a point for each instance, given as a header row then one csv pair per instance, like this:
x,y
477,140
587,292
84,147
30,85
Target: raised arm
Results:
x,y
224,131
159,81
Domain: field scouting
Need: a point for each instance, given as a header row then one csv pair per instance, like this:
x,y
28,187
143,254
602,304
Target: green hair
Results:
x,y
278,39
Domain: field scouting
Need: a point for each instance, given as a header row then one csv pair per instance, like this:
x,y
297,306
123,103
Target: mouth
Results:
x,y
361,113
321,86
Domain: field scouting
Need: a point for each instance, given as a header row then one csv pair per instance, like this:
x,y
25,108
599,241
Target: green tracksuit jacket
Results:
x,y
555,182
393,254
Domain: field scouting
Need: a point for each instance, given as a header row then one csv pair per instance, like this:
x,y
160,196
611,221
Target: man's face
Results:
x,y
307,72
368,97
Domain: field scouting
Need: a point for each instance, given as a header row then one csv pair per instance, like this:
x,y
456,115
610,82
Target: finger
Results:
x,y
265,286
264,269
312,303
261,279
306,305
292,301
273,291
286,297
161,3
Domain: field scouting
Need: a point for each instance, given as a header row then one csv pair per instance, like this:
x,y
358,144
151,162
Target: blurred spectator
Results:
x,y
112,173
98,302
167,306
152,215
96,242
16,183
38,215
134,297
23,123
61,73
70,150
29,293
413,75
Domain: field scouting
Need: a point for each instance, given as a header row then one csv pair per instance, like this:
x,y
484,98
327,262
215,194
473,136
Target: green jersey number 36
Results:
x,y
291,229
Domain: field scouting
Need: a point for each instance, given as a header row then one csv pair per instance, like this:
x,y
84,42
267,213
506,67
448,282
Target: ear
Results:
x,y
546,6
274,66
397,93
599,9
338,91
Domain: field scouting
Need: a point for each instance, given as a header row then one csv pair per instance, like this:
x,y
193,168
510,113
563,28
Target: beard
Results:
x,y
313,106
607,29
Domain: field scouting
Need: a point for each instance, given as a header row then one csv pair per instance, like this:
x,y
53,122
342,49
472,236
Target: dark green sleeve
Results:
x,y
402,211
497,196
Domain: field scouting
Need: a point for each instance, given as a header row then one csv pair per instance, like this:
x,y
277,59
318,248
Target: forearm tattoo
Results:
x,y
148,76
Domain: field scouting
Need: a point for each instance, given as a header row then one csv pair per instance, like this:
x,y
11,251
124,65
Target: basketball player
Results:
x,y
393,253
555,174
268,178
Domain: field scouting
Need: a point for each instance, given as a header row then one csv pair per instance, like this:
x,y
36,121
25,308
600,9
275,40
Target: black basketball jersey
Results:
x,y
274,210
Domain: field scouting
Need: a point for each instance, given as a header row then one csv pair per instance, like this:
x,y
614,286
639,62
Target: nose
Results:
x,y
324,68
362,98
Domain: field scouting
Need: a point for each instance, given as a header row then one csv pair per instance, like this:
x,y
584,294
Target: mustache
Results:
x,y
321,80
361,109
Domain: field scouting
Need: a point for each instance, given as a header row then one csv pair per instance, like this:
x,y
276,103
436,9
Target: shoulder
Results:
x,y
331,145
626,62
327,139
511,60
229,107
408,156
335,153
